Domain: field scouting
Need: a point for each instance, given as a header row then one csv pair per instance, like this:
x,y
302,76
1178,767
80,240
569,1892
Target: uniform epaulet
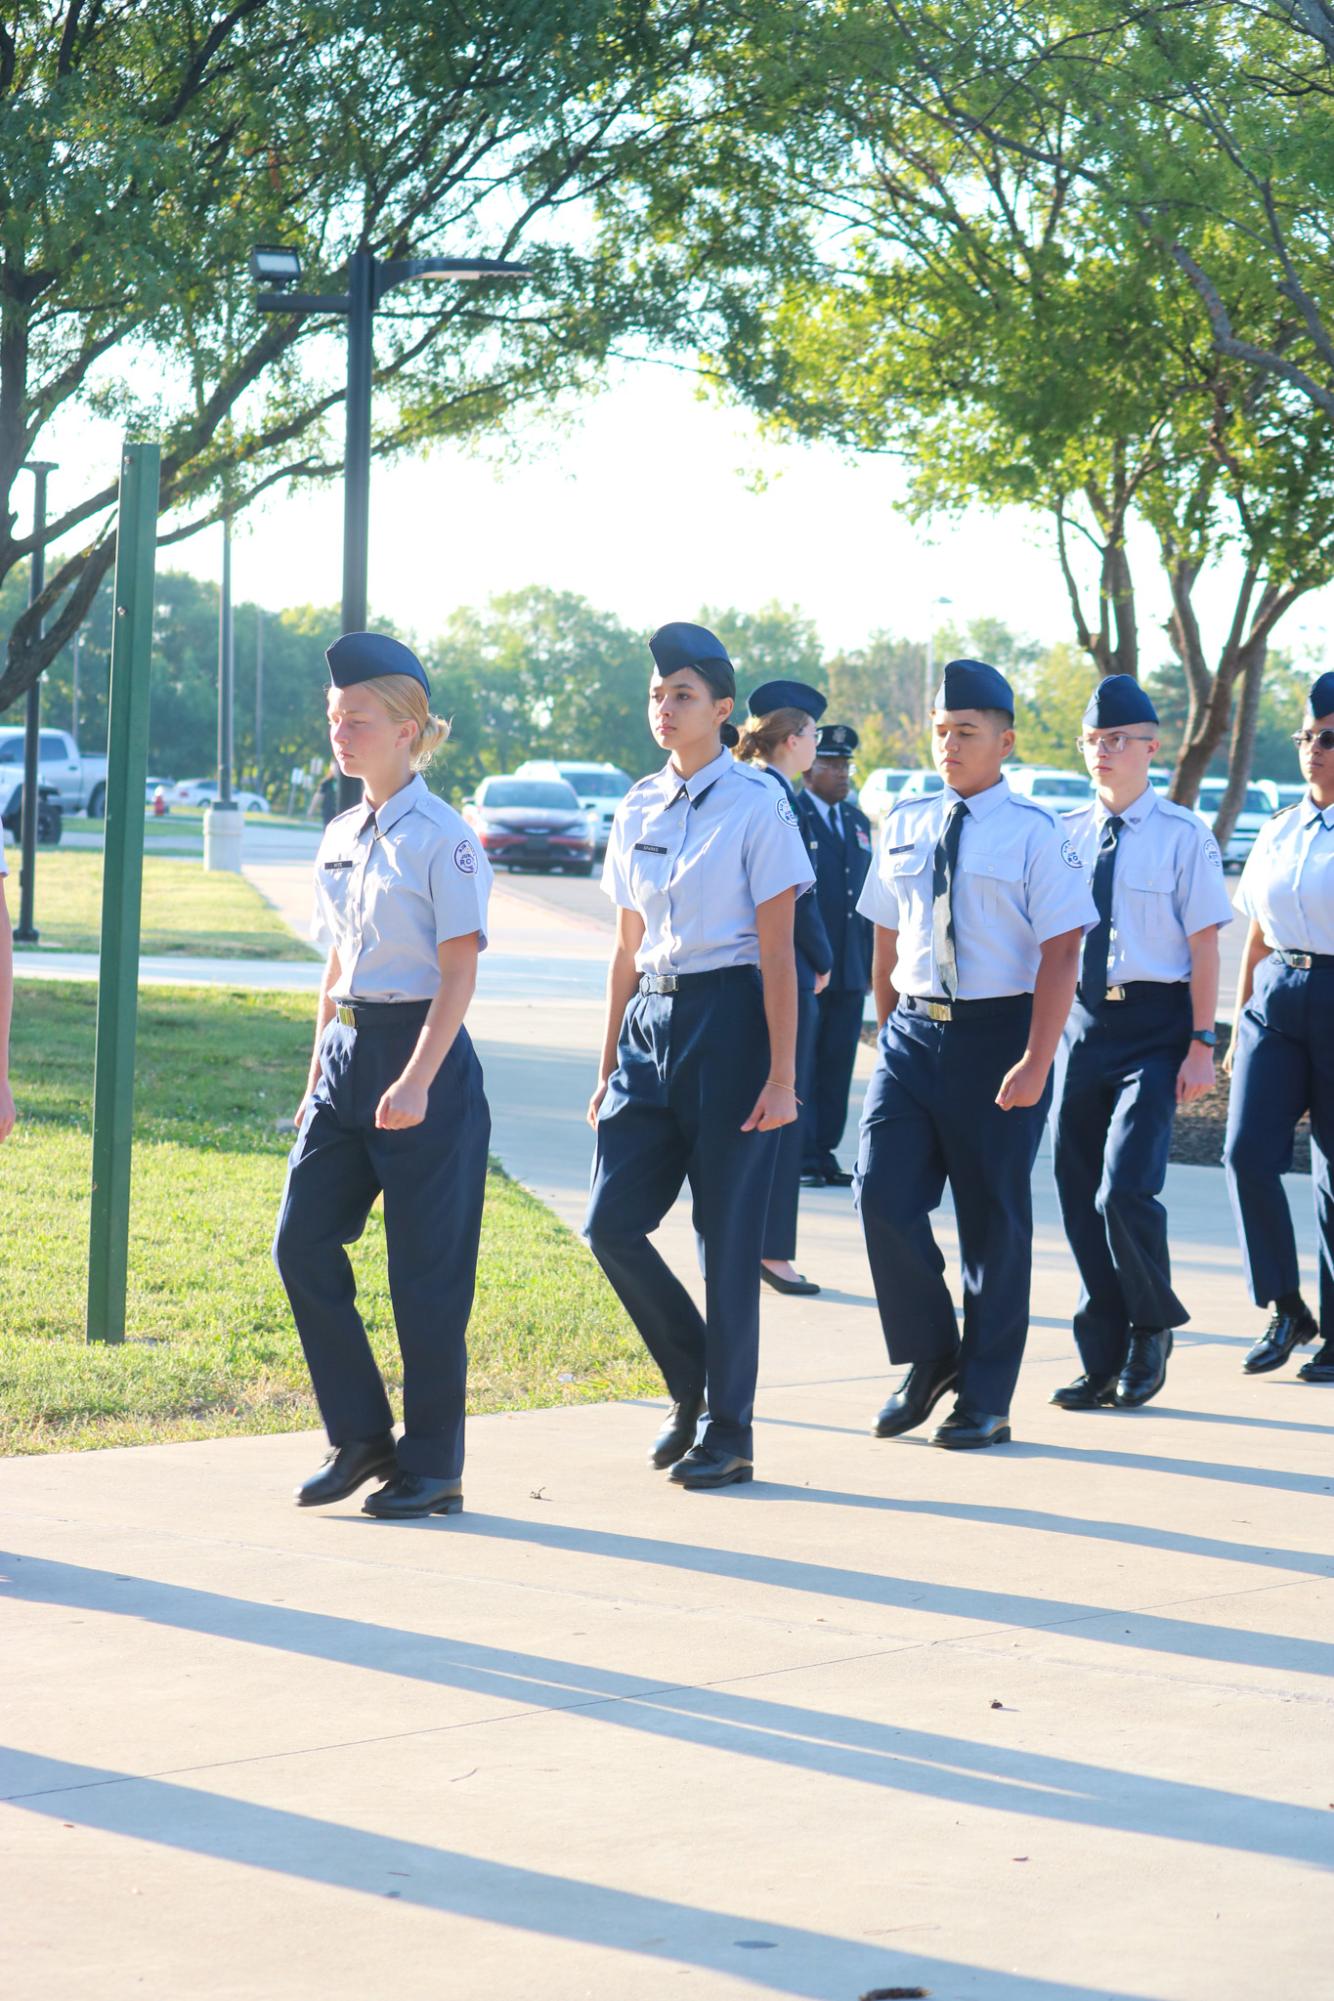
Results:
x,y
751,771
1176,811
649,778
1291,807
906,805
348,813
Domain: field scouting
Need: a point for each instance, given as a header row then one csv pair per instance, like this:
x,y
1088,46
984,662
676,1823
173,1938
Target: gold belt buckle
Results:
x,y
345,1016
939,1010
1299,961
1116,993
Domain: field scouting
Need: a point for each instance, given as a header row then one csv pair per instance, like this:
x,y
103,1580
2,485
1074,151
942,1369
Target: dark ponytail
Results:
x,y
730,734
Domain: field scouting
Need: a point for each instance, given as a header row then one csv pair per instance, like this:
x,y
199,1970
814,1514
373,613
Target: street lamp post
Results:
x,y
369,278
929,679
223,821
25,931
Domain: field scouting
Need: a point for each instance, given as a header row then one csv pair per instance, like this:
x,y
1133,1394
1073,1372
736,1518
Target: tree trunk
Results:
x,y
1250,673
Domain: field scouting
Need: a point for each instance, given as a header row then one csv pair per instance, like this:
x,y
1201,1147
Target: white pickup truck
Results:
x,y
80,781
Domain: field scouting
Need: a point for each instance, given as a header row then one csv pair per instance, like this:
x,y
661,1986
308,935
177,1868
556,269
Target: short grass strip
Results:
x,y
211,1347
184,912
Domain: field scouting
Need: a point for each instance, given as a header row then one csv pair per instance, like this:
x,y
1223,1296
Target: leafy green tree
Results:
x,y
145,147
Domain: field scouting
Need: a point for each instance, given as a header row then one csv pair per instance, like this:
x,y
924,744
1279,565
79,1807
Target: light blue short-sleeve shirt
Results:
x,y
695,856
1287,885
391,886
1019,882
1167,884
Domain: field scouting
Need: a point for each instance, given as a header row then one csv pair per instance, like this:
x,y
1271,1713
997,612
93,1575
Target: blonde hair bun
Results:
x,y
407,702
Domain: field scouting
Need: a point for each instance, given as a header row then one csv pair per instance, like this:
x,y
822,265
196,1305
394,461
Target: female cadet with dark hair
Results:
x,y
697,1073
394,1100
1283,1047
779,738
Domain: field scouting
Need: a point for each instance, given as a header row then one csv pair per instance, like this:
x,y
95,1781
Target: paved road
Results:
x,y
1046,1724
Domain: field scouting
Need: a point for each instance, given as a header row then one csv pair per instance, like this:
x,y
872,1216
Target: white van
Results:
x,y
1062,791
880,791
598,787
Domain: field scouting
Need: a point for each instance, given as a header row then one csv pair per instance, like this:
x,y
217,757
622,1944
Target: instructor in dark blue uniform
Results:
x,y
394,1101
779,738
1282,1054
697,1076
979,903
840,847
1140,1041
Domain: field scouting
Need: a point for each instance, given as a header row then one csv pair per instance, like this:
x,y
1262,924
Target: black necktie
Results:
x,y
942,892
1093,979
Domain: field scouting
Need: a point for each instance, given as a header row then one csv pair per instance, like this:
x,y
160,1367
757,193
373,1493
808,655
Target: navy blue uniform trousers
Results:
x,y
780,1227
433,1178
1284,1066
689,1068
838,1034
1113,1135
930,1116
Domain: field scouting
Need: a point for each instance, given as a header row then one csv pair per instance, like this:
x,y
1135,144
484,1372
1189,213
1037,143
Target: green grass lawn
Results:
x,y
184,911
211,1347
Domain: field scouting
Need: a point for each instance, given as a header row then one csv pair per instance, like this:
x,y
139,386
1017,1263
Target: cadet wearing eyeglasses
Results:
x,y
1282,1054
1140,1041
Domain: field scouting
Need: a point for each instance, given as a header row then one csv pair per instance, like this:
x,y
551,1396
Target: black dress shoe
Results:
x,y
837,1177
1320,1368
814,1177
916,1396
1145,1371
1085,1393
704,1468
346,1468
967,1430
1285,1332
409,1495
798,1285
678,1434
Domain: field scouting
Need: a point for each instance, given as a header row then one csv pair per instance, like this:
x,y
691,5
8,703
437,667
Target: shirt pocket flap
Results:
x,y
1138,870
1002,863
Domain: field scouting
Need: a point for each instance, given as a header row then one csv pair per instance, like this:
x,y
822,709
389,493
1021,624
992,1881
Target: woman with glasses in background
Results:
x,y
1282,1055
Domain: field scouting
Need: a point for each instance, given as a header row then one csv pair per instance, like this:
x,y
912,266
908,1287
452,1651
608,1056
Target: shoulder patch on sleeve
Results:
x,y
784,810
1211,851
465,858
1070,855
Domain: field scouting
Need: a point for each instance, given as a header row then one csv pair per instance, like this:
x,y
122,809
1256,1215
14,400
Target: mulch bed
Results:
x,y
1197,1137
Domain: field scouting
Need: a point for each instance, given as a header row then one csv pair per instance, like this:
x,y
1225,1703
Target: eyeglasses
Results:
x,y
1116,743
1322,739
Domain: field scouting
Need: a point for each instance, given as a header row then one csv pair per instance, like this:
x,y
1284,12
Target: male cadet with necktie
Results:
x,y
980,903
839,841
1283,1045
1140,1042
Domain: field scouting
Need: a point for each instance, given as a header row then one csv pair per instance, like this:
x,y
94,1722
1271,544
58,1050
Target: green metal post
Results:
x,y
122,884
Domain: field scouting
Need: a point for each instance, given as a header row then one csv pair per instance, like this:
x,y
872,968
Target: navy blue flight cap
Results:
x,y
836,740
787,695
1116,701
971,684
1320,701
684,645
365,656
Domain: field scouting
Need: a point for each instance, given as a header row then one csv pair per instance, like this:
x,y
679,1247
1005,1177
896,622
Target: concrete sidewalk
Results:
x,y
1049,1723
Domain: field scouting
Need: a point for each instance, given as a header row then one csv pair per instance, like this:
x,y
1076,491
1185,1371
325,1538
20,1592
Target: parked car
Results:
x,y
1061,790
50,813
1260,804
533,823
919,784
599,788
880,791
152,786
203,791
79,782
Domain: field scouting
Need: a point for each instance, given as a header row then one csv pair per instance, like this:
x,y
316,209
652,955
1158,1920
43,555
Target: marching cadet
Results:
x,y
779,738
1282,1054
841,851
979,903
697,1075
394,1101
1140,1041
